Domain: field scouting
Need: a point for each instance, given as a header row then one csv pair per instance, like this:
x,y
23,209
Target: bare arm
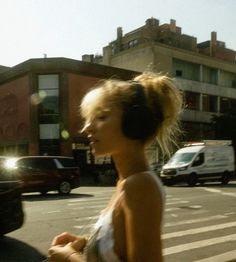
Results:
x,y
143,214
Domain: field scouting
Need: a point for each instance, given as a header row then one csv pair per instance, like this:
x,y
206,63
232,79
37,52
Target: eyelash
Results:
x,y
102,117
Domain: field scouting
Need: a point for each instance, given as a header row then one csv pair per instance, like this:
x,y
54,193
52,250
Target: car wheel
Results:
x,y
192,180
43,192
225,178
168,183
64,188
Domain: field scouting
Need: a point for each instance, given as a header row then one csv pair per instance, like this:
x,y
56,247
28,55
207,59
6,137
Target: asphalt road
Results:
x,y
199,223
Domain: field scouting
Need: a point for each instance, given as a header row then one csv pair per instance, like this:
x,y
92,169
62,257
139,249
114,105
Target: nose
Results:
x,y
87,128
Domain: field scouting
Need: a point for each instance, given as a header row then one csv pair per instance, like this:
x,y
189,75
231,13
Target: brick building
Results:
x,y
206,72
39,101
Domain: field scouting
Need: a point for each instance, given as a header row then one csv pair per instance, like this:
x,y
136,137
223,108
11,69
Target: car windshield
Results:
x,y
181,158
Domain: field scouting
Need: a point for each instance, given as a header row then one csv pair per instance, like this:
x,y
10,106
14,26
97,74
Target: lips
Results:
x,y
93,140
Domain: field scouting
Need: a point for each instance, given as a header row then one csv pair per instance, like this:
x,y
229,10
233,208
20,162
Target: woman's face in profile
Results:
x,y
103,128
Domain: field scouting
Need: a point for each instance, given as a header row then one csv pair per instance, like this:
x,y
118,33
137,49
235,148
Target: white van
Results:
x,y
210,160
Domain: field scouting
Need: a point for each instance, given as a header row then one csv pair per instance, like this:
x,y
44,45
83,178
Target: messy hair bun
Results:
x,y
162,94
162,98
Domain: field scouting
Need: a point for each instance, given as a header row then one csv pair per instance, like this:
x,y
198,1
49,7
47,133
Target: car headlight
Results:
x,y
10,163
183,168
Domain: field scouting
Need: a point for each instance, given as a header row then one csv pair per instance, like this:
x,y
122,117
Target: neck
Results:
x,y
130,161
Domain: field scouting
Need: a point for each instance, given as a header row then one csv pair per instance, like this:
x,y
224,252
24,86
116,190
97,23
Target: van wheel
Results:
x,y
43,192
192,180
64,188
225,178
168,183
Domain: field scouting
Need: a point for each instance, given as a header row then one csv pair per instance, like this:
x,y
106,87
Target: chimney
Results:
x,y
172,25
152,22
213,43
88,58
119,33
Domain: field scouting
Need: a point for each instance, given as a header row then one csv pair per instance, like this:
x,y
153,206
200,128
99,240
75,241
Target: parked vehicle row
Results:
x,y
32,174
43,173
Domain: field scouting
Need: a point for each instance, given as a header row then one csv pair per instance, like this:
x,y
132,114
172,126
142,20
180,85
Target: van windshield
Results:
x,y
181,158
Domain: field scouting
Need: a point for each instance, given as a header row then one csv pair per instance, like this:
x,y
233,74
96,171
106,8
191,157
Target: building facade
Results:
x,y
39,105
205,72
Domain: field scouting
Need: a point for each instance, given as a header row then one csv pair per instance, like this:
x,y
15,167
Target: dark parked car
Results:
x,y
11,208
45,173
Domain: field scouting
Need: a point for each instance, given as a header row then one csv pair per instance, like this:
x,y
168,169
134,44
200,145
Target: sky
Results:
x,y
72,28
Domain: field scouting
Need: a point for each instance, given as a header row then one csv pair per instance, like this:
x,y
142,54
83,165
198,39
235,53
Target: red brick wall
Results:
x,y
14,110
78,85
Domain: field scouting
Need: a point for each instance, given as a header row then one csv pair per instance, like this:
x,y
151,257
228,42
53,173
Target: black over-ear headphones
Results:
x,y
138,120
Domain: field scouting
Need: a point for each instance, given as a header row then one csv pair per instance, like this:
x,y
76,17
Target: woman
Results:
x,y
121,119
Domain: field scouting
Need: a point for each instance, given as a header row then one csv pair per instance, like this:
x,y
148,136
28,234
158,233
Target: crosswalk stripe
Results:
x,y
177,202
191,221
171,209
198,244
91,199
89,207
198,230
228,256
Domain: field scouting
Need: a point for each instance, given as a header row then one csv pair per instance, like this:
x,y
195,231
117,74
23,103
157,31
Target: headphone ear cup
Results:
x,y
138,122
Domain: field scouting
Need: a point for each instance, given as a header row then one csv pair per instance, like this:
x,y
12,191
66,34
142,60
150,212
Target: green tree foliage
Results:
x,y
224,126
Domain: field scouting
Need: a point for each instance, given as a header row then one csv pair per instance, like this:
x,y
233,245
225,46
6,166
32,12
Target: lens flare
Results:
x,y
65,134
37,98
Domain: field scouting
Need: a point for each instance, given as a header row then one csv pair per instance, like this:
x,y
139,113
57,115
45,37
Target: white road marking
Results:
x,y
198,244
52,212
91,199
171,209
228,256
86,218
83,226
198,230
213,190
197,220
88,207
176,203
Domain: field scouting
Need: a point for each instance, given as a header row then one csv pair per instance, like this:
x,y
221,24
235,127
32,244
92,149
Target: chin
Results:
x,y
100,153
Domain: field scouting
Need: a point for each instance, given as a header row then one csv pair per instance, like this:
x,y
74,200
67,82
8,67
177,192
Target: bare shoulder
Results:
x,y
143,187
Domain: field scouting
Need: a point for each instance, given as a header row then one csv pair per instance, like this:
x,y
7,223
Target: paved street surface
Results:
x,y
199,222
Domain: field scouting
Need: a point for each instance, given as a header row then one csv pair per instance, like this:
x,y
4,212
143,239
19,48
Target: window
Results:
x,y
49,147
224,104
29,163
66,162
37,163
49,131
50,103
192,100
132,43
49,114
186,69
233,105
234,83
210,75
199,160
227,79
178,73
209,103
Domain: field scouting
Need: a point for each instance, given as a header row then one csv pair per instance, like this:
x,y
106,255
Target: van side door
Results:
x,y
198,165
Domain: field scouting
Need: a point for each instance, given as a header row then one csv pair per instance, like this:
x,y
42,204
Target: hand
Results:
x,y
60,253
63,239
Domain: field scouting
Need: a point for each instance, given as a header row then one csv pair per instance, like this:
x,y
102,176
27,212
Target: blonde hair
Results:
x,y
161,94
162,91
